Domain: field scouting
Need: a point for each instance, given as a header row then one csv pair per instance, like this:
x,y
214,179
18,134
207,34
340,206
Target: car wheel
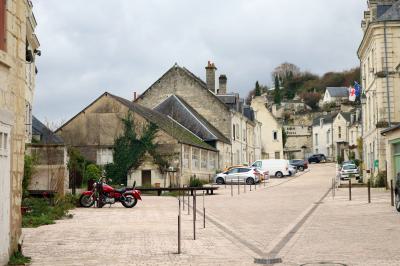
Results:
x,y
301,168
250,181
220,181
279,174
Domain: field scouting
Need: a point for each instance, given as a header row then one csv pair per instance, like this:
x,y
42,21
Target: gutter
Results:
x,y
387,73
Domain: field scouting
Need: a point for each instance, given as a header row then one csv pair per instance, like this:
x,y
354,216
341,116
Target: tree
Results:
x,y
257,89
277,92
129,150
76,167
91,172
284,70
311,99
284,137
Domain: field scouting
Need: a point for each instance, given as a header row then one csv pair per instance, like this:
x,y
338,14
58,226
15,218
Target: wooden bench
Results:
x,y
209,190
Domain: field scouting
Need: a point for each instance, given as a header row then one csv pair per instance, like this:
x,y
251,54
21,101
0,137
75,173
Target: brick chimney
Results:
x,y
222,84
210,76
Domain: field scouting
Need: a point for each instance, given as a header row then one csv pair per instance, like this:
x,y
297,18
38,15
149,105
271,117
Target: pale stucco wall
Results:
x,y
269,146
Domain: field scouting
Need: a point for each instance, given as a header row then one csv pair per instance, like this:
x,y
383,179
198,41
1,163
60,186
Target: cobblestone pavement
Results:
x,y
294,220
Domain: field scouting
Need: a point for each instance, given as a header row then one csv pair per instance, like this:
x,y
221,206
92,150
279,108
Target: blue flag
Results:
x,y
357,88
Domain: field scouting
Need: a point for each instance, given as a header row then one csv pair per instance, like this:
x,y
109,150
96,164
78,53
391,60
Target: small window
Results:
x,y
340,132
204,159
277,155
275,135
234,132
5,141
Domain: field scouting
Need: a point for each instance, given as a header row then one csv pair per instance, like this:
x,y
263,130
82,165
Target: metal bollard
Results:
x,y
194,217
369,190
188,203
350,189
183,198
179,234
231,189
250,186
238,187
391,193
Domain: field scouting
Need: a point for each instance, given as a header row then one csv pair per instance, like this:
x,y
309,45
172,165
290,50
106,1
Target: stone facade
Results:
x,y
379,57
392,137
271,130
202,98
17,75
94,130
322,136
299,141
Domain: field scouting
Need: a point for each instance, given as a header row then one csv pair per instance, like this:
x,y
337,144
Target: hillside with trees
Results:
x,y
290,81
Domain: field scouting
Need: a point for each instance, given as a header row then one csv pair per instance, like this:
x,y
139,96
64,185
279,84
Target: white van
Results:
x,y
275,167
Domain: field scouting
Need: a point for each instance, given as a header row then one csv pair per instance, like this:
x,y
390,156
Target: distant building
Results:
x,y
18,50
378,54
335,95
271,130
322,135
299,141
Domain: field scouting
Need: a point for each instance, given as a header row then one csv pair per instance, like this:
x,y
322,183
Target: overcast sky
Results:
x,y
122,46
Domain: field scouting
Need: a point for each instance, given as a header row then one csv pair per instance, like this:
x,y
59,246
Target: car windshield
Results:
x,y
349,167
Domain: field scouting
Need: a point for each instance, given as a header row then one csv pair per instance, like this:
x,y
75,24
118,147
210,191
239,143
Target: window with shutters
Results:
x,y
3,25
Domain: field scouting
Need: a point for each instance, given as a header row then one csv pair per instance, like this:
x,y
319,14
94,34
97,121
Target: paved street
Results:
x,y
293,220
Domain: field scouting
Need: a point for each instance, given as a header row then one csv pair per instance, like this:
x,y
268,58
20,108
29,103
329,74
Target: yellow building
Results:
x,y
18,48
379,53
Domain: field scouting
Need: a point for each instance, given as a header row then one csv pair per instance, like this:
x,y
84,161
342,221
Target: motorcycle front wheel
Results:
x,y
86,201
129,201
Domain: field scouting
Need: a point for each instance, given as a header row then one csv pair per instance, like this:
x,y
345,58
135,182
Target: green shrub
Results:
x,y
92,172
380,179
18,259
30,163
195,182
41,213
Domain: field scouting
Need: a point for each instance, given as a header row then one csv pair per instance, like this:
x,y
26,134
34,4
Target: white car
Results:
x,y
248,175
275,167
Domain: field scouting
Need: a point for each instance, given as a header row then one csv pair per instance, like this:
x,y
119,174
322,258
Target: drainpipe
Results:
x,y
387,73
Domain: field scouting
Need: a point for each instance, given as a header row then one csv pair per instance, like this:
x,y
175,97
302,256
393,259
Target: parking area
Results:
x,y
286,220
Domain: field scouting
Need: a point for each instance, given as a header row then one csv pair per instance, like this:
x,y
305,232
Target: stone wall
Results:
x,y
14,94
51,172
177,81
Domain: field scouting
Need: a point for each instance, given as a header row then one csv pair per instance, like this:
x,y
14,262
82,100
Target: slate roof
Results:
x,y
338,91
393,13
327,119
165,123
46,135
346,116
175,107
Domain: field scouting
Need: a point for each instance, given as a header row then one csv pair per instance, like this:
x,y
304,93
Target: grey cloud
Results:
x,y
123,45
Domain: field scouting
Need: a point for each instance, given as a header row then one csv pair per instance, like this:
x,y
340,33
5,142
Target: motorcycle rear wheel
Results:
x,y
86,201
129,201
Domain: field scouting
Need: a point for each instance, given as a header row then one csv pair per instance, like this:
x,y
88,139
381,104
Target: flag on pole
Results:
x,y
357,89
352,94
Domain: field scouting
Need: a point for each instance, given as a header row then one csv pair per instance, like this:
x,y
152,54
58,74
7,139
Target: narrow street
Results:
x,y
290,221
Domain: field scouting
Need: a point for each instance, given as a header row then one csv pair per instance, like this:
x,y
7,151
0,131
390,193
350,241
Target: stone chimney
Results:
x,y
210,76
134,96
222,84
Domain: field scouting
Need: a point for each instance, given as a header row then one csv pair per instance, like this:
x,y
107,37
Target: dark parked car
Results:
x,y
301,165
317,158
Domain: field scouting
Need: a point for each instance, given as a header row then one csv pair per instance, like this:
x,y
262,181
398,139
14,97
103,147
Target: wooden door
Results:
x,y
146,178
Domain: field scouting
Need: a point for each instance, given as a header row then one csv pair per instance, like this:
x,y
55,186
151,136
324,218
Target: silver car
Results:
x,y
248,175
349,170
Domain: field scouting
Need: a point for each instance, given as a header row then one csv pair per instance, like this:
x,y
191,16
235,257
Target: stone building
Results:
x,y
392,138
335,95
379,54
322,135
94,130
225,112
51,172
271,130
298,141
18,49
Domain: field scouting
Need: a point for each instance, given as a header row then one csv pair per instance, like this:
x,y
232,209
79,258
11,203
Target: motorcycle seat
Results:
x,y
120,190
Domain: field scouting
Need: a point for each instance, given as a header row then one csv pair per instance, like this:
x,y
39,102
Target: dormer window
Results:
x,y
321,122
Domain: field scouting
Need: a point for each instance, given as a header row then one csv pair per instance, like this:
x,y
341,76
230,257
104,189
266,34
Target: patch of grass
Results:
x,y
42,213
18,259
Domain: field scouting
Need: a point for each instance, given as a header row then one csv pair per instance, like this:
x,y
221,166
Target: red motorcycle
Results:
x,y
106,194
